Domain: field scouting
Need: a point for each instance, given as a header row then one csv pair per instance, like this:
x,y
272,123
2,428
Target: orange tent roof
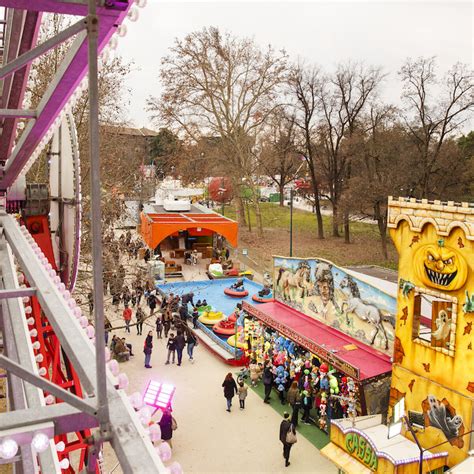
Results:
x,y
156,227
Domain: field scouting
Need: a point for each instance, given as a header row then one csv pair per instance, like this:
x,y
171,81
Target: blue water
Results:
x,y
213,292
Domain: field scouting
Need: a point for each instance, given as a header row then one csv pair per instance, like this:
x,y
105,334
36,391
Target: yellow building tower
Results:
x,y
433,361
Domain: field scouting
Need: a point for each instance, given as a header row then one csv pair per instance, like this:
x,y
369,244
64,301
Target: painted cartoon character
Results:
x,y
442,419
441,267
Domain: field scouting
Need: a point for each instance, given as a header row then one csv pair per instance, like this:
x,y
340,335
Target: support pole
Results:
x,y
96,220
291,222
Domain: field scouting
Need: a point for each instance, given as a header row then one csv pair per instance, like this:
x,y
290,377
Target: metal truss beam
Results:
x,y
17,113
128,438
46,385
68,76
67,7
65,418
17,293
13,95
72,338
42,48
19,348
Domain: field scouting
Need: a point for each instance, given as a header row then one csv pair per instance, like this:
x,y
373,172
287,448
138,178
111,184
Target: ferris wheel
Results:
x,y
65,400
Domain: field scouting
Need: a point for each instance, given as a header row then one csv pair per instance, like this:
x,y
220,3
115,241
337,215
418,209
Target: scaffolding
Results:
x,y
95,407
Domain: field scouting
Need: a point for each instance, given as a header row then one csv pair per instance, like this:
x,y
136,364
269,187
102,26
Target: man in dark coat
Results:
x,y
187,298
285,426
180,343
267,380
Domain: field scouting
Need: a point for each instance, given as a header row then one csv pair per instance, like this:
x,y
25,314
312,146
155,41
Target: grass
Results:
x,y
364,249
313,434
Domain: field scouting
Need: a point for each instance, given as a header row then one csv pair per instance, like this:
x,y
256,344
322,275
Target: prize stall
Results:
x,y
342,377
330,330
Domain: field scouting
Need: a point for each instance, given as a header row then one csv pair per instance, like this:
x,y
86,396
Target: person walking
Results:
x,y
307,402
267,382
285,428
152,303
171,346
180,342
140,318
191,341
195,315
294,399
230,389
242,391
166,425
167,321
159,326
107,329
127,316
148,348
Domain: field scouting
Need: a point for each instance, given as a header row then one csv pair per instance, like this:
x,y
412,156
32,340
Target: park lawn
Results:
x,y
364,249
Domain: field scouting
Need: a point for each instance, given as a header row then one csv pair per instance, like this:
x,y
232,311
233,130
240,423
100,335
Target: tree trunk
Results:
x,y
381,219
240,210
347,236
335,220
281,188
258,216
317,203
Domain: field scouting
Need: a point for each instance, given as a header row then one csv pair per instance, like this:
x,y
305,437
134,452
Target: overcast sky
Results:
x,y
324,32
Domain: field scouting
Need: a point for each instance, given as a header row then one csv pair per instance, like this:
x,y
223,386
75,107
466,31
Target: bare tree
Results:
x,y
343,96
434,110
218,85
279,157
378,154
304,85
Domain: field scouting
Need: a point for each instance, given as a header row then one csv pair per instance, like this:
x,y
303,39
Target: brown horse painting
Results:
x,y
290,282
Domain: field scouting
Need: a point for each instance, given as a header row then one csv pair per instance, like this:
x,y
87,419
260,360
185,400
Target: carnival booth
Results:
x,y
340,375
329,330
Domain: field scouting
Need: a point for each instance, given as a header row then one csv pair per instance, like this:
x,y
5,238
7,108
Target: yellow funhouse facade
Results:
x,y
433,361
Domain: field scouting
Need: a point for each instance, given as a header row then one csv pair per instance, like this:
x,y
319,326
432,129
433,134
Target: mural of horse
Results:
x,y
289,281
364,311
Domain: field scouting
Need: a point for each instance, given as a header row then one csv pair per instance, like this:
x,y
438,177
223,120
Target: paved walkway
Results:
x,y
208,438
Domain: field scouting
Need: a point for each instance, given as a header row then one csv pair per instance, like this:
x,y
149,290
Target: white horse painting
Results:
x,y
364,311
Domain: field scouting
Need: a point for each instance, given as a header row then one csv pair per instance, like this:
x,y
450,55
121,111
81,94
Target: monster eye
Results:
x,y
449,261
430,258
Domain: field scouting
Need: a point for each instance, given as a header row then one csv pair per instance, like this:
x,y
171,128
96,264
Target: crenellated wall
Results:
x,y
434,335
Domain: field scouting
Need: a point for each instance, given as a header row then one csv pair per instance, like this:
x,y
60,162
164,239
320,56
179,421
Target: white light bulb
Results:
x,y
28,310
39,358
36,345
30,321
33,333
40,442
113,43
133,14
42,371
60,447
122,30
64,463
49,401
8,448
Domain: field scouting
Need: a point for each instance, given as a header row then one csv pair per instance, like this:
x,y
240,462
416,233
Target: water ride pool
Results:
x,y
213,292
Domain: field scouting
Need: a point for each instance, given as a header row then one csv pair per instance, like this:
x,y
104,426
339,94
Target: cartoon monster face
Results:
x,y
442,268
